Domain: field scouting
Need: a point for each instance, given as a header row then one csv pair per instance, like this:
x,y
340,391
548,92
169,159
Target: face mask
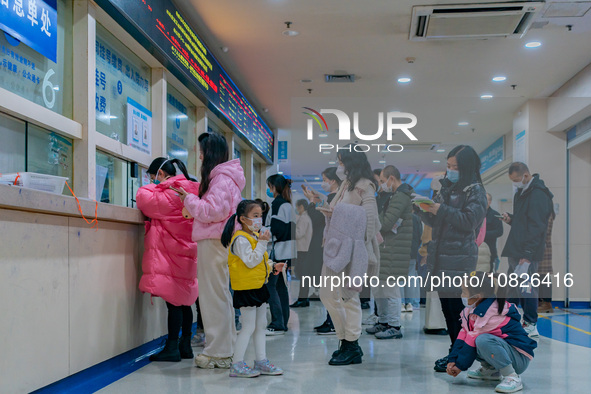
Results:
x,y
269,194
156,181
256,225
453,175
519,185
341,172
325,186
386,188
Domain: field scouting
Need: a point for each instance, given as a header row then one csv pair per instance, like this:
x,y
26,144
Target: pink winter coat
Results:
x,y
170,256
211,212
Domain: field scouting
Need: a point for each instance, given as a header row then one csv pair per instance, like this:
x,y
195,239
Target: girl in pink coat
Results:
x,y
170,255
219,193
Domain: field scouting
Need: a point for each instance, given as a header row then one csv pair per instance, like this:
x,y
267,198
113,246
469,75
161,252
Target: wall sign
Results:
x,y
139,127
177,46
33,22
492,155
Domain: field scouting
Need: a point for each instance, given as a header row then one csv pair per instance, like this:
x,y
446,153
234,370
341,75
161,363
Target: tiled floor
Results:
x,y
404,365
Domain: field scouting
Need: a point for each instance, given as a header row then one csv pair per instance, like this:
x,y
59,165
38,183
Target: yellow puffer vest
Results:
x,y
242,277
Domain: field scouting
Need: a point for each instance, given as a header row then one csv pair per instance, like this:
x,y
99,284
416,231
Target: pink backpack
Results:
x,y
481,234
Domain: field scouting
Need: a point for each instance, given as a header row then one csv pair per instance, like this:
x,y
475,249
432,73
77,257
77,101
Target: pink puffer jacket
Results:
x,y
170,256
211,212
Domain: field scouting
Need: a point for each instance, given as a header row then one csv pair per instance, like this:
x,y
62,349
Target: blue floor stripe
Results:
x,y
569,328
103,374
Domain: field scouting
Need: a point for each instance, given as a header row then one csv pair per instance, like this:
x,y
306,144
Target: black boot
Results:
x,y
350,354
301,303
185,347
336,352
169,353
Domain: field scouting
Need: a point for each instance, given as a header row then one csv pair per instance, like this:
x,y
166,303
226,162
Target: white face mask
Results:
x,y
341,172
326,187
519,185
386,188
256,225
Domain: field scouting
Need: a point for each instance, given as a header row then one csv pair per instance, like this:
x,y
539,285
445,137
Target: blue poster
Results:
x,y
492,155
282,150
33,22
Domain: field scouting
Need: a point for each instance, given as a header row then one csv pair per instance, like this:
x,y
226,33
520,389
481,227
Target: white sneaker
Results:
x,y
531,330
485,374
409,307
510,384
272,332
372,320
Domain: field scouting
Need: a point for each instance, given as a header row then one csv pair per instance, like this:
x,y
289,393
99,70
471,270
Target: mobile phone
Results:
x,y
500,216
175,189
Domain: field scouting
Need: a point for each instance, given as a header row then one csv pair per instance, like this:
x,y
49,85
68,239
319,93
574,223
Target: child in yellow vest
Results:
x,y
249,267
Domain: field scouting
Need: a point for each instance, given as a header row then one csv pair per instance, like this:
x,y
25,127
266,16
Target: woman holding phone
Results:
x,y
216,200
170,256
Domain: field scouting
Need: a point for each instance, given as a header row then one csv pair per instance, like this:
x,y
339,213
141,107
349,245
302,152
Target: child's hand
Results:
x,y
265,236
453,370
277,268
183,194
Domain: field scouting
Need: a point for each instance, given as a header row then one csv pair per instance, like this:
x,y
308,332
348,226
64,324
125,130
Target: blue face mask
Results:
x,y
269,194
156,182
453,175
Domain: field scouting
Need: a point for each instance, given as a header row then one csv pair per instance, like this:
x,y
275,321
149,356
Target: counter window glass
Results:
x,y
180,129
120,77
31,75
13,146
49,153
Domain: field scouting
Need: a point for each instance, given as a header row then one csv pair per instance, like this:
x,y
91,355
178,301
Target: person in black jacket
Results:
x,y
532,207
494,229
283,249
455,217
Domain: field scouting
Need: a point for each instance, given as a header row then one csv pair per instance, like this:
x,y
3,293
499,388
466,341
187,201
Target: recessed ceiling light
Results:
x,y
332,162
404,80
440,150
382,161
463,124
326,153
456,133
499,79
436,161
280,172
323,135
316,179
290,33
533,44
472,111
486,96
305,80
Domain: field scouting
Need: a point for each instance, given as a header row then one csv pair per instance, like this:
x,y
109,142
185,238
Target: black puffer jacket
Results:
x,y
453,250
532,208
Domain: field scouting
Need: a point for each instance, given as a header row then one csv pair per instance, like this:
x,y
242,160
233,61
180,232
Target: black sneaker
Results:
x,y
326,330
321,326
441,365
365,305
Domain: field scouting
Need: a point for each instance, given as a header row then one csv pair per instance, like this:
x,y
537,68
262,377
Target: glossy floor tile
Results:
x,y
404,365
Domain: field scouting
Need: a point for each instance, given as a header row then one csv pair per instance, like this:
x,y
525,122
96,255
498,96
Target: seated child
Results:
x,y
492,335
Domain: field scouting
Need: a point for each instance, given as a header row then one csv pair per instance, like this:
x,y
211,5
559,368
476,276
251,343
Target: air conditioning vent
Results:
x,y
475,21
423,147
331,78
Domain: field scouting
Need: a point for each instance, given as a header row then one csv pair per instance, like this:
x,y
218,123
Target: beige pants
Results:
x,y
344,308
215,300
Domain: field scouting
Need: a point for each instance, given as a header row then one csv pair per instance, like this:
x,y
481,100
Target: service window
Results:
x,y
180,128
123,83
26,71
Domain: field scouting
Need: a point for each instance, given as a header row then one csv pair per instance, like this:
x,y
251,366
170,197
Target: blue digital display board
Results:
x,y
172,41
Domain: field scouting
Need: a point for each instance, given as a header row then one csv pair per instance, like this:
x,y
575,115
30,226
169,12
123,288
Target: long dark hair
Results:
x,y
356,166
468,165
215,152
487,287
331,173
167,166
264,205
282,186
243,209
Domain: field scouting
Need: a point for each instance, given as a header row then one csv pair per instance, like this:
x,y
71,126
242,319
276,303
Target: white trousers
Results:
x,y
254,324
344,307
215,300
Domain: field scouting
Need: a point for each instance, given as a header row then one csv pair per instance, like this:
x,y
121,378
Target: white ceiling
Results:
x,y
369,38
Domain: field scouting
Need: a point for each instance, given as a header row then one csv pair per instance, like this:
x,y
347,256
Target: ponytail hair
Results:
x,y
488,287
215,152
282,185
243,209
167,166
